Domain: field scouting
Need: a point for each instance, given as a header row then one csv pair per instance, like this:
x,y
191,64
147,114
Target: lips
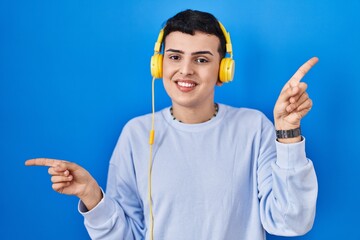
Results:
x,y
185,85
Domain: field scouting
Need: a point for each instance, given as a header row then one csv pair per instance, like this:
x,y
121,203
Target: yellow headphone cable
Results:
x,y
151,141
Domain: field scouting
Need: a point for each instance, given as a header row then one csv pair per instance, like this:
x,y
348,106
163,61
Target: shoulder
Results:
x,y
245,114
246,119
137,124
143,122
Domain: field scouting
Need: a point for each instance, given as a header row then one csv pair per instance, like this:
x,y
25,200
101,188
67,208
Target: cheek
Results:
x,y
169,88
212,73
165,67
167,71
170,71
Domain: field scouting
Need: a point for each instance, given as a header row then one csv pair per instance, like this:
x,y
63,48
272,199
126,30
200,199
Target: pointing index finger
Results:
x,y
300,73
43,162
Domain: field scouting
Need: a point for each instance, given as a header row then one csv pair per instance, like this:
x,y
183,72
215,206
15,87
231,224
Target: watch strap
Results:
x,y
291,133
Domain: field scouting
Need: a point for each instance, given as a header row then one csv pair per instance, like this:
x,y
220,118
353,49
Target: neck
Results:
x,y
194,115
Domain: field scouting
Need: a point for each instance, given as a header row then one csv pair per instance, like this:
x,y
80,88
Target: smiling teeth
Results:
x,y
185,84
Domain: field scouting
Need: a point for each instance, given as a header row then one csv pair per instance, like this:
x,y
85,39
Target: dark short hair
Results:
x,y
190,21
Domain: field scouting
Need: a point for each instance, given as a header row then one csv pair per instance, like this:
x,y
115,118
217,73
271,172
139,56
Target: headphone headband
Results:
x,y
157,46
226,34
227,39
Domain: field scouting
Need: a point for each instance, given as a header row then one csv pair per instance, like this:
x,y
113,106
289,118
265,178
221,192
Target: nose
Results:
x,y
186,67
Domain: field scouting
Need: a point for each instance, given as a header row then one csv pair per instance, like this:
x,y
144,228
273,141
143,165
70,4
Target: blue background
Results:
x,y
73,72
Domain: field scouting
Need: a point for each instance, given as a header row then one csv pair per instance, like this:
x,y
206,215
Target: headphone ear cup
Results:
x,y
156,65
227,70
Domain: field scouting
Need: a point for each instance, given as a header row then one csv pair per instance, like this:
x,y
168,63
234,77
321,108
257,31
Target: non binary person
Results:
x,y
218,172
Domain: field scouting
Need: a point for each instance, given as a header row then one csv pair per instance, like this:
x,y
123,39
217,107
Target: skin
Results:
x,y
190,74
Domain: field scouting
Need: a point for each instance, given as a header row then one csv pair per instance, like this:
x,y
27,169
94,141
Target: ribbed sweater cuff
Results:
x,y
291,156
100,213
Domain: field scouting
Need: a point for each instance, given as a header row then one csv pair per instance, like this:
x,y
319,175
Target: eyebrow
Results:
x,y
194,53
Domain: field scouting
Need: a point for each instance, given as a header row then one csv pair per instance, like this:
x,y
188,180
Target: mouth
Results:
x,y
186,85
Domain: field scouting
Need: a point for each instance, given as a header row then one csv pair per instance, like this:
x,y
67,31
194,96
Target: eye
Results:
x,y
174,57
201,60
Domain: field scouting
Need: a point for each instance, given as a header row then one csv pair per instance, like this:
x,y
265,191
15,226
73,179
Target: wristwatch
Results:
x,y
288,133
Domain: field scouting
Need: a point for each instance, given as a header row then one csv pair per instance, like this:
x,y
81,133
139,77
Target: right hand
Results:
x,y
71,179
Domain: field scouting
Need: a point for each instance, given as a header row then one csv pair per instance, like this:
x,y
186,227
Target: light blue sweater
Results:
x,y
225,179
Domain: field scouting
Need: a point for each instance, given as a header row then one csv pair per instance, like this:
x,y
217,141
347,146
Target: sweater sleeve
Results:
x,y
287,186
119,215
105,221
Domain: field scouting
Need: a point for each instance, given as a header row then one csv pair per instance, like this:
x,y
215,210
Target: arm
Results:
x,y
288,185
120,214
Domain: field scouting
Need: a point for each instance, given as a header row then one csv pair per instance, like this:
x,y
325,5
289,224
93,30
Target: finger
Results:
x,y
65,165
54,172
303,70
58,165
306,105
295,105
297,92
291,95
300,73
43,162
304,97
294,94
59,179
59,187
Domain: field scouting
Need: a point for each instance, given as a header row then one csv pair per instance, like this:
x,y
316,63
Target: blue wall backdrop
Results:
x,y
72,72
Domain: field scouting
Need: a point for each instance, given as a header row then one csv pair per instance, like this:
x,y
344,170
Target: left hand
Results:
x,y
293,102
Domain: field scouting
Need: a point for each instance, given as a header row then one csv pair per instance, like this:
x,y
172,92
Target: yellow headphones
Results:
x,y
227,65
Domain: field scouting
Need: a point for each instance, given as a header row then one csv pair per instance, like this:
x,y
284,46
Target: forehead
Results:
x,y
191,43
